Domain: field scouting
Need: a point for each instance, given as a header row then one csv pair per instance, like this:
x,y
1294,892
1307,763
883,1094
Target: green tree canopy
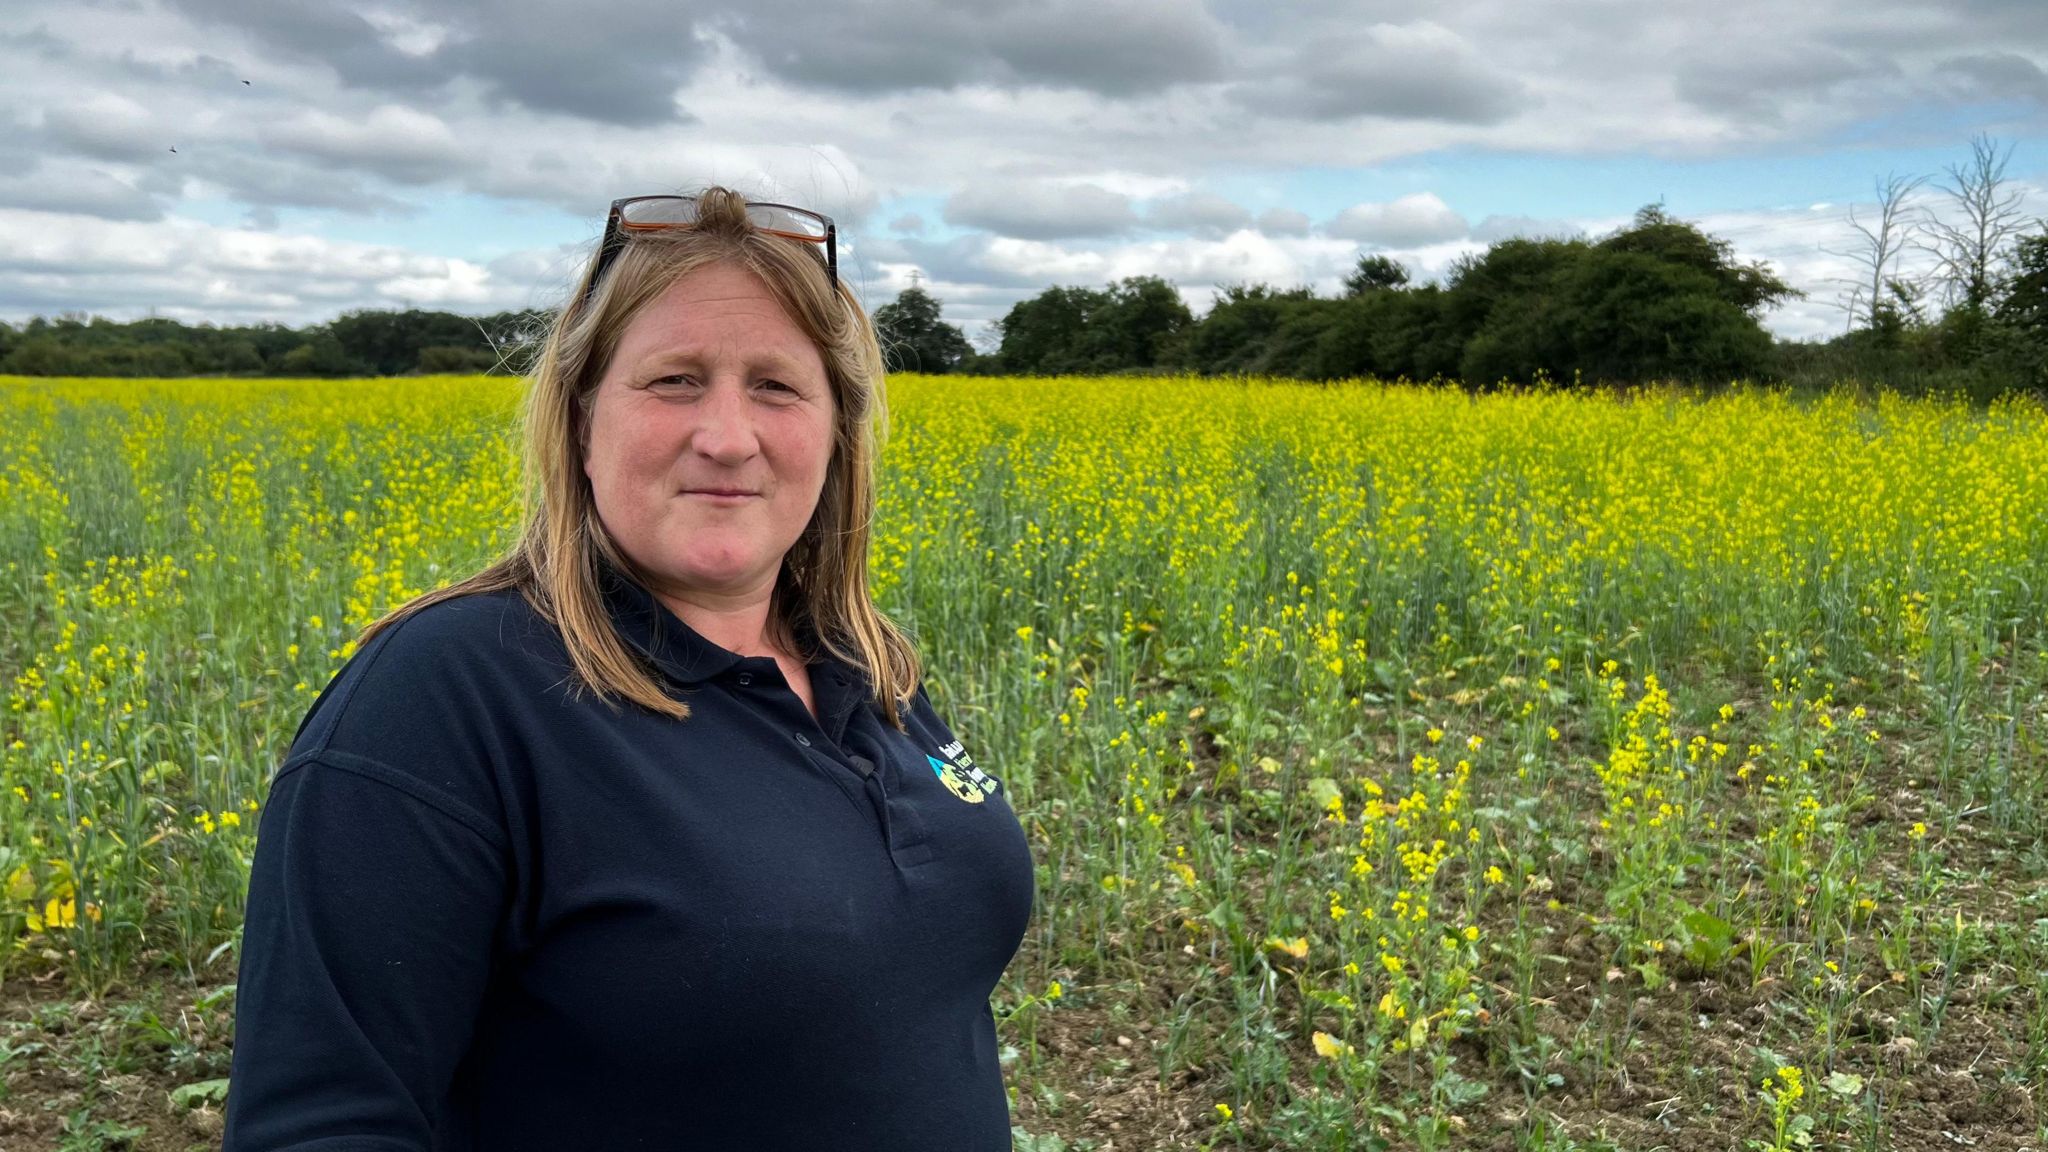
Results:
x,y
1375,272
1750,287
357,343
1133,323
914,339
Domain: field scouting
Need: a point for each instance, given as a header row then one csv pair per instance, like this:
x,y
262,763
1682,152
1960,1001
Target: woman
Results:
x,y
647,836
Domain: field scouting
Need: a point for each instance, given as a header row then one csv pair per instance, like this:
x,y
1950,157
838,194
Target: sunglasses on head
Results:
x,y
654,213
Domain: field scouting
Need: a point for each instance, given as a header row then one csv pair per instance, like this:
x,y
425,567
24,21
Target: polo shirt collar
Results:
x,y
652,627
688,658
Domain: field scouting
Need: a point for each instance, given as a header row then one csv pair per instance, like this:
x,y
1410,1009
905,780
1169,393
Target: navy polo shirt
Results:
x,y
489,913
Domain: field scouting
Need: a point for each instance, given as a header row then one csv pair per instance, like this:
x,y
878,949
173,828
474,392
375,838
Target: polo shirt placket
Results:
x,y
690,661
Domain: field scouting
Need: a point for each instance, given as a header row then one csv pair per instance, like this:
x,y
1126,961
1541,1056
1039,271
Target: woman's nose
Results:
x,y
725,426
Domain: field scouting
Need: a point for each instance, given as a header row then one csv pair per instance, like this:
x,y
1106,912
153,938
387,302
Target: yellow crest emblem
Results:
x,y
955,781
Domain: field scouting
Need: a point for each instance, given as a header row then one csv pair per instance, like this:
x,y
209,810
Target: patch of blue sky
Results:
x,y
1550,187
928,210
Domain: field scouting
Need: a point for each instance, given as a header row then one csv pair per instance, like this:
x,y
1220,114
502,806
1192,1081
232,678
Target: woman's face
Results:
x,y
710,435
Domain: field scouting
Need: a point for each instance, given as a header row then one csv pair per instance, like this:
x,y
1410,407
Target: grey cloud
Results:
x,y
202,71
1754,80
1910,26
1041,210
581,176
108,127
258,178
71,187
564,59
2017,17
1992,76
333,34
1117,47
1122,46
618,63
38,42
1413,72
1198,212
1283,222
909,222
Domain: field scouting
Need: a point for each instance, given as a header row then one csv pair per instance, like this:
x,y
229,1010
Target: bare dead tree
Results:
x,y
1889,232
1985,218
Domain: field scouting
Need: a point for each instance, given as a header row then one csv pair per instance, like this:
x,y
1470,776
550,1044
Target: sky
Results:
x,y
230,162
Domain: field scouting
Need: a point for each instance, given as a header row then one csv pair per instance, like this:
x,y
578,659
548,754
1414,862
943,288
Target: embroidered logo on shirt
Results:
x,y
963,779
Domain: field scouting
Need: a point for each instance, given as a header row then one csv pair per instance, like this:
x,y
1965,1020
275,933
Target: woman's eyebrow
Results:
x,y
669,358
767,362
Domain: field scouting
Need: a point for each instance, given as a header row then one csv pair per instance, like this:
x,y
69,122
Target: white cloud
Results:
x,y
398,143
1418,218
407,33
195,271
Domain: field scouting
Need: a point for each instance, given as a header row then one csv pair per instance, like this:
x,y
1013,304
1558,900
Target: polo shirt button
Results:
x,y
803,740
746,678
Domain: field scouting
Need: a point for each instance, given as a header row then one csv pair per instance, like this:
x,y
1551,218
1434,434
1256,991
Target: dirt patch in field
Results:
x,y
86,1075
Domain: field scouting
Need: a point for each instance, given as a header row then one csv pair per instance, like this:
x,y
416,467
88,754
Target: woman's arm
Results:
x,y
373,906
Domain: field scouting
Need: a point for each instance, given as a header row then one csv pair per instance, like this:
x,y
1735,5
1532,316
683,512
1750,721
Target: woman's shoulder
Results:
x,y
458,637
429,693
923,714
471,624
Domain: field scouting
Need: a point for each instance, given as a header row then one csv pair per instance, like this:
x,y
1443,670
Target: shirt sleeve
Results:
x,y
366,951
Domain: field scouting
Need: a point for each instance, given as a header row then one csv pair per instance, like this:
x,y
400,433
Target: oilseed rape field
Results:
x,y
1405,769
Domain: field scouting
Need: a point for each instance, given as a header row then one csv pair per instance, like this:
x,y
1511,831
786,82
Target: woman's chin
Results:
x,y
719,574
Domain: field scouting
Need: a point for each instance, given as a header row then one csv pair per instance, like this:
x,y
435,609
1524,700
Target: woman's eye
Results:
x,y
778,386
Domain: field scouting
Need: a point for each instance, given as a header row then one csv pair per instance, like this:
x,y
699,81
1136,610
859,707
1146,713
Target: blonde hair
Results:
x,y
824,576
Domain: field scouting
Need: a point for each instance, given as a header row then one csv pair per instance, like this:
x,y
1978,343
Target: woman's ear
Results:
x,y
579,422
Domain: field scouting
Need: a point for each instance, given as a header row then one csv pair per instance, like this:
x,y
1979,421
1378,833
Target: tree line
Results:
x,y
1657,299
361,343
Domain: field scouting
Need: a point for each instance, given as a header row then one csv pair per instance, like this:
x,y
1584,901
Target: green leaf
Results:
x,y
215,996
1769,1060
1460,1090
206,1091
1322,790
1024,1141
1845,1084
1710,926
